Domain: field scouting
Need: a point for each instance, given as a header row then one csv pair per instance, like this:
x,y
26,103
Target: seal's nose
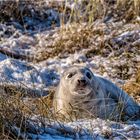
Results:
x,y
82,82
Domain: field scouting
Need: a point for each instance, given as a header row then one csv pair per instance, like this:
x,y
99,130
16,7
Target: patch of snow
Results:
x,y
85,129
2,57
22,73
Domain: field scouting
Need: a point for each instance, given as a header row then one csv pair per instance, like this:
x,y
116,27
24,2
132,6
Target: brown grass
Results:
x,y
85,12
70,40
17,9
13,109
133,88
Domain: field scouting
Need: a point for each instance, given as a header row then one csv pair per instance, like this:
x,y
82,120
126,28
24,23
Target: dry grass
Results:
x,y
87,11
133,88
17,9
70,40
13,109
10,115
132,4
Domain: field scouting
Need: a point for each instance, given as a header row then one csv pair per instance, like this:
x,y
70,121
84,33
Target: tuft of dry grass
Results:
x,y
70,40
15,110
133,4
10,115
133,88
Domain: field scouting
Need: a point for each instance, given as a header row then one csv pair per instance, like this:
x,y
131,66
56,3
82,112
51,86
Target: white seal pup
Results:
x,y
80,94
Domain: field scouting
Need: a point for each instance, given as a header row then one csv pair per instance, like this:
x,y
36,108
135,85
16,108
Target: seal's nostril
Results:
x,y
78,81
82,82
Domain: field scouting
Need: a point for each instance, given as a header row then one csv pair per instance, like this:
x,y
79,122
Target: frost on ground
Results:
x,y
40,76
33,56
81,129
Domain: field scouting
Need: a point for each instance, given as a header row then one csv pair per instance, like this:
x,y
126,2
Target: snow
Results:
x,y
47,73
85,129
41,76
18,72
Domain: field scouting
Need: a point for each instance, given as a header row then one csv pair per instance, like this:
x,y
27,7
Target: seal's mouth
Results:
x,y
82,90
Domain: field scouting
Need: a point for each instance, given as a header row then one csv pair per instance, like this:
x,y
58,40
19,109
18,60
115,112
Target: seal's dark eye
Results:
x,y
69,75
88,75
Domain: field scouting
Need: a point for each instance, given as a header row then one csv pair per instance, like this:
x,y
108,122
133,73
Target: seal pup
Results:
x,y
82,94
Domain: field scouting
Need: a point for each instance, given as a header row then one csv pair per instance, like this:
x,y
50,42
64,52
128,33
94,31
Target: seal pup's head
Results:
x,y
75,93
77,80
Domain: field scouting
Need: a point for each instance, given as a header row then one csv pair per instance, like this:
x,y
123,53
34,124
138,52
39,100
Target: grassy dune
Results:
x,y
92,26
